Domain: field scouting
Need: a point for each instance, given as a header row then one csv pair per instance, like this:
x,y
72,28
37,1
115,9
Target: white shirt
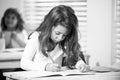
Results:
x,y
37,61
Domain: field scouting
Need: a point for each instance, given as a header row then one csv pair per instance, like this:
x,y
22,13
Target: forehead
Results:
x,y
60,29
12,15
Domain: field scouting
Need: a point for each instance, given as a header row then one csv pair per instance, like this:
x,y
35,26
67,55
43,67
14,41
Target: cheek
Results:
x,y
52,36
6,20
15,21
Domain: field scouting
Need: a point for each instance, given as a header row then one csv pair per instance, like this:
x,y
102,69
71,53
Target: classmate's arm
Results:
x,y
19,41
7,36
27,62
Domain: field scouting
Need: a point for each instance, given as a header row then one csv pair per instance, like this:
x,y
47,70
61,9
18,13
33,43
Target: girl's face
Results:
x,y
11,21
58,33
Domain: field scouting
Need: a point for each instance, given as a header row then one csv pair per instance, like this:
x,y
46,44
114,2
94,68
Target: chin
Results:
x,y
56,41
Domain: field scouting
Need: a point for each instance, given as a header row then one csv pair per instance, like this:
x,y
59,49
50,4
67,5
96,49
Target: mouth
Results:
x,y
56,41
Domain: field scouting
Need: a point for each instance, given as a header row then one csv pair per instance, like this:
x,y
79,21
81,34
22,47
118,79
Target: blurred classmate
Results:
x,y
55,38
12,29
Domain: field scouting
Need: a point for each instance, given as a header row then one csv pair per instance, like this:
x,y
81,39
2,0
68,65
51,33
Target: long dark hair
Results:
x,y
65,16
19,26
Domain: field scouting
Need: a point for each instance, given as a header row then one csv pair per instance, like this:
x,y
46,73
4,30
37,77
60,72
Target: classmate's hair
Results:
x,y
20,22
65,16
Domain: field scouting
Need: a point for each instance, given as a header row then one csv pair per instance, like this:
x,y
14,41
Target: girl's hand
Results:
x,y
53,67
64,68
84,68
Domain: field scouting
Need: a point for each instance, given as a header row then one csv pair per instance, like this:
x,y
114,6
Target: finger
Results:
x,y
55,69
81,68
86,68
64,68
56,65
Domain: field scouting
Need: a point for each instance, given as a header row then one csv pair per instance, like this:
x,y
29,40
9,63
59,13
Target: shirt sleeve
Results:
x,y
27,60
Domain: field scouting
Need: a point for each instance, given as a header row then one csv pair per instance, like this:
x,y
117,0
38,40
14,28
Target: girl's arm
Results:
x,y
82,66
29,53
27,60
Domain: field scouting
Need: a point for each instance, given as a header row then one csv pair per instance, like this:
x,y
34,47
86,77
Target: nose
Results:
x,y
60,37
10,20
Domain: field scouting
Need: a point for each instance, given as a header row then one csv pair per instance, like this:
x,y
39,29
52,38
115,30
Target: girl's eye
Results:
x,y
57,33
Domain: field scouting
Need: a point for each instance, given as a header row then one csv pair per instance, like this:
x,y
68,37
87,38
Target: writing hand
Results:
x,y
53,67
84,68
64,68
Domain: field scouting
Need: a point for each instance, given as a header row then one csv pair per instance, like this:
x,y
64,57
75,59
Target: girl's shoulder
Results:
x,y
34,34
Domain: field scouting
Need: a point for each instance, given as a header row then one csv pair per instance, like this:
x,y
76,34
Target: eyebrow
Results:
x,y
61,33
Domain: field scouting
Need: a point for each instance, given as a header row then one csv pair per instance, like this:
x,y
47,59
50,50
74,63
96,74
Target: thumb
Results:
x,y
56,65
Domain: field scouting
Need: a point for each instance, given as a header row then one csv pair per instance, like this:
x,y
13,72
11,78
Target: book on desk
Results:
x,y
26,75
35,74
10,58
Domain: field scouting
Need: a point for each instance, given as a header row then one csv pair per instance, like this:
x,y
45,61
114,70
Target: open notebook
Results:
x,y
35,74
24,75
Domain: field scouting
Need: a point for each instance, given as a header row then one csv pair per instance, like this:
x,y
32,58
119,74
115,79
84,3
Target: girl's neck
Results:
x,y
55,44
11,29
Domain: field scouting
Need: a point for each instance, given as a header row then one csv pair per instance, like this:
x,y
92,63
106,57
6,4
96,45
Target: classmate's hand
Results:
x,y
14,34
53,67
84,68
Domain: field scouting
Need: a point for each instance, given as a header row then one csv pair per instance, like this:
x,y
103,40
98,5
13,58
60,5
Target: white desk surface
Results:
x,y
26,75
101,76
97,76
10,58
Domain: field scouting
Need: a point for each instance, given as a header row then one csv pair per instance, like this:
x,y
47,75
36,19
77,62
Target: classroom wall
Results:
x,y
99,28
99,31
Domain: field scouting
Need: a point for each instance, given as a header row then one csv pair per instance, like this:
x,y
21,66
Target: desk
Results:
x,y
10,58
95,76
